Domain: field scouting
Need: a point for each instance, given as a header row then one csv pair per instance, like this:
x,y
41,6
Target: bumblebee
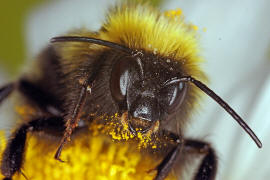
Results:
x,y
137,79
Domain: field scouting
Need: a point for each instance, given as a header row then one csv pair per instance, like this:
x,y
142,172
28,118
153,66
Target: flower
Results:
x,y
87,157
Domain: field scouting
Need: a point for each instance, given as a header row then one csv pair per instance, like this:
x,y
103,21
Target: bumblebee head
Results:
x,y
149,90
146,89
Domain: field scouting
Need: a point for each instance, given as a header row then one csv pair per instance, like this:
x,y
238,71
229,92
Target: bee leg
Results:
x,y
72,122
32,92
208,167
165,167
6,91
73,116
12,158
44,100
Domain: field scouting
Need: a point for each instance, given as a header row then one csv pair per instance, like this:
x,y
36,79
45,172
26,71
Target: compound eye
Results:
x,y
120,77
174,95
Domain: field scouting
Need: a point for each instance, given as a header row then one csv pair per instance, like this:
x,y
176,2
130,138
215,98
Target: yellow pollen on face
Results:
x,y
117,128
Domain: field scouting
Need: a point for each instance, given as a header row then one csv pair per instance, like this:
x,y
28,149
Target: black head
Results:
x,y
145,87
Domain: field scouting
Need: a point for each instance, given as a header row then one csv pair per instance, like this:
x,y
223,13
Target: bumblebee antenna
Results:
x,y
225,106
91,40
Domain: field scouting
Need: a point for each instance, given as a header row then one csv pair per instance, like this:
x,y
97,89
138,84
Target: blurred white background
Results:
x,y
236,47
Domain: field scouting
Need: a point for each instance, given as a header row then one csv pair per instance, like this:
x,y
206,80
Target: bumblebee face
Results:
x,y
147,91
